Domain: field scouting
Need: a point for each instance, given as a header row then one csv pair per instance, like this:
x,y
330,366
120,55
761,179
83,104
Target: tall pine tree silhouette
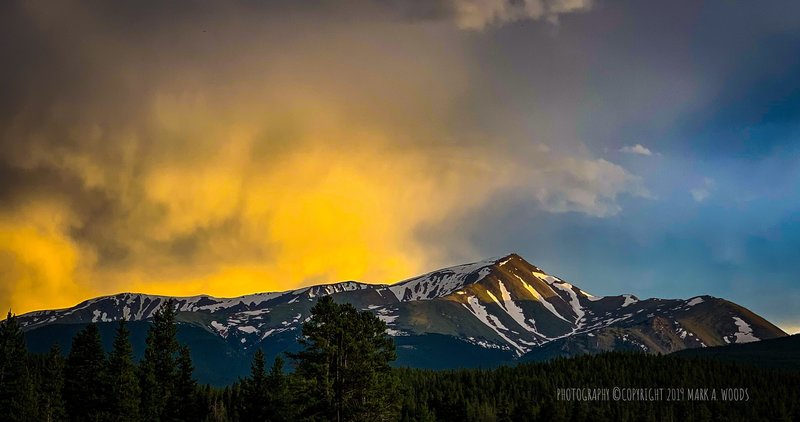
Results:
x,y
184,403
344,366
278,399
84,373
16,386
158,369
123,384
51,389
255,406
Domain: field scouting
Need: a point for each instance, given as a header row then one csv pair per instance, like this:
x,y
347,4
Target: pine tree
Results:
x,y
16,386
277,393
184,404
84,373
123,384
217,411
255,406
158,369
51,389
344,367
232,398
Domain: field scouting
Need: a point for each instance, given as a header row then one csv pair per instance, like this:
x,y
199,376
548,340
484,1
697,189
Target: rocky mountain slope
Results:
x,y
474,314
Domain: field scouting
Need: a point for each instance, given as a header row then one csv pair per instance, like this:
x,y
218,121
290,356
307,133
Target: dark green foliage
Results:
x,y
84,374
51,387
278,399
184,404
265,395
159,368
254,405
123,384
93,388
16,386
529,391
778,353
343,371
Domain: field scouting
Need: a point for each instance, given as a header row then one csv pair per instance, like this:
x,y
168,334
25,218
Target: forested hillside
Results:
x,y
343,373
530,391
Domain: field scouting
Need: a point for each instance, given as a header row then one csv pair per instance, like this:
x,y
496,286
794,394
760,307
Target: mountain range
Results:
x,y
481,314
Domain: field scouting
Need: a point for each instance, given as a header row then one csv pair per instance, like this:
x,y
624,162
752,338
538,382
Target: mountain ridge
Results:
x,y
504,304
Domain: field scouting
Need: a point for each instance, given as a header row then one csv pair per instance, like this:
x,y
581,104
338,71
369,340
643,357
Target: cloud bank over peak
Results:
x,y
219,152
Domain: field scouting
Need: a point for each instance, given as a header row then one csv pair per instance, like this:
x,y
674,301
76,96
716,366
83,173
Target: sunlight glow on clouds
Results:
x,y
244,158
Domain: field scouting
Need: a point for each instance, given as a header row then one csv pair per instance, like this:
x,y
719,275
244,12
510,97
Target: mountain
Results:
x,y
479,314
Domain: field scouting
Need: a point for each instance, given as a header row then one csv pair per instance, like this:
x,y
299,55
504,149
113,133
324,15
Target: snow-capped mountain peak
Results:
x,y
443,282
500,303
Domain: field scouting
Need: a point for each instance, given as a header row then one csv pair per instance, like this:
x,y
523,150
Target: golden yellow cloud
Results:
x,y
342,203
230,152
40,263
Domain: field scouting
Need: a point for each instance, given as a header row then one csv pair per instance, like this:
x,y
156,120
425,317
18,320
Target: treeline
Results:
x,y
343,374
530,391
90,385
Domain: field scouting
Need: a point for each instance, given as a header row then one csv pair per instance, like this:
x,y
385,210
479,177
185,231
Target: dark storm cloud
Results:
x,y
202,147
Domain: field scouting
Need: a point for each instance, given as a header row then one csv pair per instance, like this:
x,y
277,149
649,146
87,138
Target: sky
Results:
x,y
227,148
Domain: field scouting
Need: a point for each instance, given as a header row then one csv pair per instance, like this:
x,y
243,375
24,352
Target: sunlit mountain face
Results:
x,y
227,149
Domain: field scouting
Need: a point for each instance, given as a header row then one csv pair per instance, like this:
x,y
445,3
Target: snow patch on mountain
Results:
x,y
329,289
589,296
388,319
441,282
745,333
247,329
573,300
546,277
480,312
221,329
505,261
695,301
485,344
541,300
514,311
629,300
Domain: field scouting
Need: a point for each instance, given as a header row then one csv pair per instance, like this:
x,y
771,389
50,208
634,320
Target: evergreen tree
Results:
x,y
232,398
51,389
255,406
123,384
217,411
16,386
184,403
158,369
278,393
344,367
84,372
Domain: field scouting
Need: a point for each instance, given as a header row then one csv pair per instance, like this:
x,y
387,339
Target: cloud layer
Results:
x,y
233,149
